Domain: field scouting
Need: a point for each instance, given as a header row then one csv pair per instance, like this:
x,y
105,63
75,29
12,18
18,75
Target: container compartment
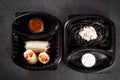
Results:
x,y
74,44
21,34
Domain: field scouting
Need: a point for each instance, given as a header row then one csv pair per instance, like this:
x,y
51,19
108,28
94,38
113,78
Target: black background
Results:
x,y
61,9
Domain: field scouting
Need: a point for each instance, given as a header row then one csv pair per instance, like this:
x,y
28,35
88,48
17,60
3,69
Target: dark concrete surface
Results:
x,y
61,9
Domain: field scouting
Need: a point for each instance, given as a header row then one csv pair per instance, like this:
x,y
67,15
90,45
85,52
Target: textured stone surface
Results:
x,y
61,9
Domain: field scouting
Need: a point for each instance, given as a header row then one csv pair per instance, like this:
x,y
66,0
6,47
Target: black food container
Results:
x,y
21,34
103,48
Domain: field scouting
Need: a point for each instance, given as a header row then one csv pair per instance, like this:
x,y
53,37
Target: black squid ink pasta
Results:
x,y
102,30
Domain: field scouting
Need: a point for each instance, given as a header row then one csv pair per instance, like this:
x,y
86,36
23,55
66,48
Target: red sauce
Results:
x,y
36,25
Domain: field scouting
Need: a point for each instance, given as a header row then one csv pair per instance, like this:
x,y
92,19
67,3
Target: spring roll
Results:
x,y
30,56
43,57
37,46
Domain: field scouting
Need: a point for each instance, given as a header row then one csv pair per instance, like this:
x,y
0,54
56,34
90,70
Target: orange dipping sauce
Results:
x,y
36,25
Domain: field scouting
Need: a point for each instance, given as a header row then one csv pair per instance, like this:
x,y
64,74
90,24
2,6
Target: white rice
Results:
x,y
88,33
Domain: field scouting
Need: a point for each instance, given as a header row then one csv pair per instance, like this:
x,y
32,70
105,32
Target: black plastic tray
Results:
x,y
74,44
20,34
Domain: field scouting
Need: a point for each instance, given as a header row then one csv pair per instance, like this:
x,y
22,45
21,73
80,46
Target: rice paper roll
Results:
x,y
30,56
43,57
37,46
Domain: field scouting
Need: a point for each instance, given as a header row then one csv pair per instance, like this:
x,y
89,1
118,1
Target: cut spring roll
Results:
x,y
37,46
30,56
43,57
